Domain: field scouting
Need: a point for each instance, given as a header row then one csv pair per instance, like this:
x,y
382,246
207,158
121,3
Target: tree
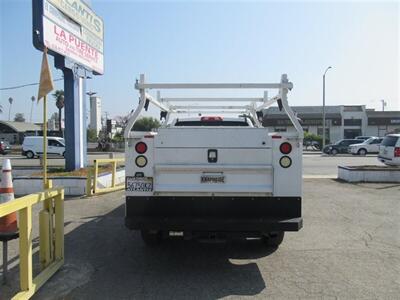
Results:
x,y
122,121
59,97
309,138
1,109
91,135
19,117
146,124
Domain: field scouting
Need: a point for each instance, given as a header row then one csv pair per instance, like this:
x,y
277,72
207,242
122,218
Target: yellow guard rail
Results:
x,y
51,223
91,185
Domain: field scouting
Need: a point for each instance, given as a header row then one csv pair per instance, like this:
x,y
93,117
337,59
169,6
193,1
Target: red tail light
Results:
x,y
141,147
285,148
211,119
397,152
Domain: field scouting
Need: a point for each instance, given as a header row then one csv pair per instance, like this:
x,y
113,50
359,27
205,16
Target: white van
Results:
x,y
33,146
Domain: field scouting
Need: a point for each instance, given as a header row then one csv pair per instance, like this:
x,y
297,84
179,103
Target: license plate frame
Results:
x,y
212,179
138,184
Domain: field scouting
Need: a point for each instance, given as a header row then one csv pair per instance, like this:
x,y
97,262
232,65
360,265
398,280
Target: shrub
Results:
x,y
146,124
309,137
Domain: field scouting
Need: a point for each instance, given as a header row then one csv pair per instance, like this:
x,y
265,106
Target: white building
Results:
x,y
342,121
95,113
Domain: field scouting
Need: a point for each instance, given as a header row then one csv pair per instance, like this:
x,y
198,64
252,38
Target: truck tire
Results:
x,y
150,237
30,154
334,152
274,239
362,152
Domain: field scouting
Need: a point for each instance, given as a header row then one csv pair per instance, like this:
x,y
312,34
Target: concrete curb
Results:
x,y
369,174
73,186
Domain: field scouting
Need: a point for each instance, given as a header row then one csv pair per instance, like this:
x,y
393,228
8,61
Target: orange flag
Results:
x,y
46,81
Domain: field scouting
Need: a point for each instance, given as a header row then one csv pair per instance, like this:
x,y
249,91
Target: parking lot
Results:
x,y
348,248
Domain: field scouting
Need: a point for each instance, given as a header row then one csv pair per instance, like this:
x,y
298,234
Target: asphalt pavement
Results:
x,y
348,249
326,165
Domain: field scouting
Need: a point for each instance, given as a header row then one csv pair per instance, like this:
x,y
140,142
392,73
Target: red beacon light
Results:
x,y
141,147
211,119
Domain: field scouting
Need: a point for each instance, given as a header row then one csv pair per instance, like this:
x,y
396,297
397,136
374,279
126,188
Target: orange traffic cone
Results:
x,y
8,224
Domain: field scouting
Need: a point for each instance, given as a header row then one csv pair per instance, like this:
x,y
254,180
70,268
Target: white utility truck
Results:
x,y
213,175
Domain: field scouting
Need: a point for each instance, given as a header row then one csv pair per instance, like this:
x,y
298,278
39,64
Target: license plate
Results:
x,y
212,179
139,184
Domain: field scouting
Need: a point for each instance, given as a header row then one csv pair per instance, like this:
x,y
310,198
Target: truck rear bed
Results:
x,y
226,176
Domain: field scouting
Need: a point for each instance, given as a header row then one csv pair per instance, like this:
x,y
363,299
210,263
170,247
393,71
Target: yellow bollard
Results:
x,y
89,191
44,238
114,173
96,174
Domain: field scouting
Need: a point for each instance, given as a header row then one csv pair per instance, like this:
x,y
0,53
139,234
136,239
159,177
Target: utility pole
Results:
x,y
33,100
384,103
323,107
10,100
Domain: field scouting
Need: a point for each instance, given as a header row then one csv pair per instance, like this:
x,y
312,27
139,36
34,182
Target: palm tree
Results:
x,y
59,97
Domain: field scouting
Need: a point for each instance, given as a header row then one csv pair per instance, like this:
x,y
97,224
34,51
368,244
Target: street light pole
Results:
x,y
10,100
383,104
323,107
33,100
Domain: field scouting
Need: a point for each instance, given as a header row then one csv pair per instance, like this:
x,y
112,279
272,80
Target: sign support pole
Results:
x,y
44,158
75,114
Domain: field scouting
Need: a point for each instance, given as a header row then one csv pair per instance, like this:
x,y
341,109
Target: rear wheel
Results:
x,y
334,152
151,237
362,152
30,154
274,239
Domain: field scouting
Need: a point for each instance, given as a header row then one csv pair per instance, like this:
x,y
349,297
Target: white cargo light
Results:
x,y
141,161
285,162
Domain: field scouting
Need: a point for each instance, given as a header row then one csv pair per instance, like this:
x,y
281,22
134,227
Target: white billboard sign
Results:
x,y
78,36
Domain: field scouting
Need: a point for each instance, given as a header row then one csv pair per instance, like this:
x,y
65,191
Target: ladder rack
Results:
x,y
252,106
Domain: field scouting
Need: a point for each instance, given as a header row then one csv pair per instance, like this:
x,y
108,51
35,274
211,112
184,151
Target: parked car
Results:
x,y
33,146
389,150
341,146
5,147
363,137
368,146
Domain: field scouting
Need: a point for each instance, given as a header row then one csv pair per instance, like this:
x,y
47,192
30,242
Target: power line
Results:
x,y
24,85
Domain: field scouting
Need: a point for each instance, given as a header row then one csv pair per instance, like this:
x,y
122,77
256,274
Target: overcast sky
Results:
x,y
223,42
